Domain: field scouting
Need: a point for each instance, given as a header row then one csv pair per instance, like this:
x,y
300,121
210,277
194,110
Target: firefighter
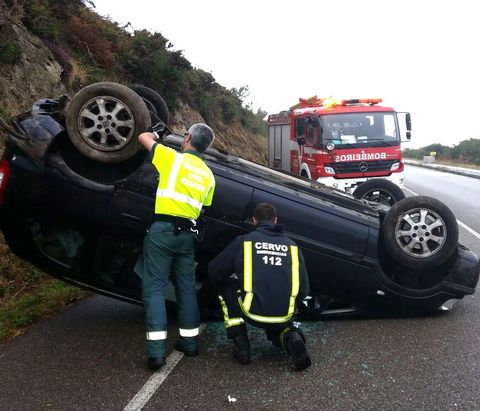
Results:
x,y
270,278
186,184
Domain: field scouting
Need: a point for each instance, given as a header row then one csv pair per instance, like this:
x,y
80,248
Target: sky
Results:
x,y
419,56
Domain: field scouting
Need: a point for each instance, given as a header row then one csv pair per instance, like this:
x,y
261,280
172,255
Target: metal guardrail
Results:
x,y
448,169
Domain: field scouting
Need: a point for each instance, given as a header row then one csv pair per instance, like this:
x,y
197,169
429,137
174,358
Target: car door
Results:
x,y
129,215
228,216
332,240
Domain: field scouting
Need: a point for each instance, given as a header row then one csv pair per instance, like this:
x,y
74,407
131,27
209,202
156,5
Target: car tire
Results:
x,y
420,232
103,122
379,190
154,102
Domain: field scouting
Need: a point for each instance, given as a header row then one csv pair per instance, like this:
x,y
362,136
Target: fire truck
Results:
x,y
340,143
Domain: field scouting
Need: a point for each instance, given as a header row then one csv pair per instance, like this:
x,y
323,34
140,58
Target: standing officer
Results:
x,y
186,184
271,276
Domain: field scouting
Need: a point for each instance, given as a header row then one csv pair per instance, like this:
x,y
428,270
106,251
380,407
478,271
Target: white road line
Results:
x,y
413,192
460,223
155,381
470,230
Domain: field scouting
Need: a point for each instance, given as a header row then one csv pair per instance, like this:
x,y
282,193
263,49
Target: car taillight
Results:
x,y
4,176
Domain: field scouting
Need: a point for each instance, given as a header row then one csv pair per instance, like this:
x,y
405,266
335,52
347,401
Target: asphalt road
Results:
x,y
91,355
461,194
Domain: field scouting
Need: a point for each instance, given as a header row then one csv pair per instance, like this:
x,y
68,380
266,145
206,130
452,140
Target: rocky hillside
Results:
x,y
38,58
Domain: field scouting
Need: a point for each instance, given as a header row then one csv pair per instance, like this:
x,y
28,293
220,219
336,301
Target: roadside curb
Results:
x,y
446,169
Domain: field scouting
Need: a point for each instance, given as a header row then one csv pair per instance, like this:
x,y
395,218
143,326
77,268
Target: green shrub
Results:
x,y
40,19
10,52
230,108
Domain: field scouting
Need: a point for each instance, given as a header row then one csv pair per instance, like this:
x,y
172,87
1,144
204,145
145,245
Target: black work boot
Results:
x,y
187,345
154,363
295,345
242,349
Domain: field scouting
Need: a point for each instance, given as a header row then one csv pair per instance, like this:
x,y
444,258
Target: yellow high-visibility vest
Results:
x,y
186,184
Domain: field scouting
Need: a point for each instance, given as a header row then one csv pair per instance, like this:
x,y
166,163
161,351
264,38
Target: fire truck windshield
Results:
x,y
370,129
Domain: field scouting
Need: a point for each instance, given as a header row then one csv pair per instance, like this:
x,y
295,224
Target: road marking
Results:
x,y
460,223
155,381
413,192
470,230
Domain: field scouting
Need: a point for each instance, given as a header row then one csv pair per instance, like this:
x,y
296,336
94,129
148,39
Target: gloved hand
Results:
x,y
158,129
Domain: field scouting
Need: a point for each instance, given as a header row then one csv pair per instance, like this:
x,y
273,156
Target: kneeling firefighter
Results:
x,y
270,277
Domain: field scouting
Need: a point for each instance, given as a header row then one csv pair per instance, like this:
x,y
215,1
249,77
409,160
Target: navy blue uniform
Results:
x,y
271,277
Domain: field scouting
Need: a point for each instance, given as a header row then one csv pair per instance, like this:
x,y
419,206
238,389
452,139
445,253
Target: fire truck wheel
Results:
x,y
104,120
380,191
420,232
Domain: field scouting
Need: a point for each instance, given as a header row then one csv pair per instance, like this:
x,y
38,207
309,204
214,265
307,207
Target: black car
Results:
x,y
77,195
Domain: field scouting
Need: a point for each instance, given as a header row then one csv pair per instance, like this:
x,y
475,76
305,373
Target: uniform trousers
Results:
x,y
166,253
235,318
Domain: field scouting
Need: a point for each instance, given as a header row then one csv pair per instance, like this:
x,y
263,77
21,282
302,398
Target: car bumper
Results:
x,y
350,184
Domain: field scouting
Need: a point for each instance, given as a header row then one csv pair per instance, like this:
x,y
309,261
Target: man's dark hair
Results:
x,y
264,212
202,136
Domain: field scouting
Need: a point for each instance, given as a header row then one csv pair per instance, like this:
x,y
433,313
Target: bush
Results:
x,y
10,52
40,19
88,37
230,108
467,151
14,10
62,57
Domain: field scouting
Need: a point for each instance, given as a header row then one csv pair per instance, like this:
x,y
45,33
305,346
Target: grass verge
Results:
x,y
457,164
452,163
28,295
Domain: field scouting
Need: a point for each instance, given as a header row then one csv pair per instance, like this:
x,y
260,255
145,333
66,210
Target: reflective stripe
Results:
x,y
295,279
248,282
264,319
174,172
232,322
229,322
182,198
170,193
156,335
247,275
192,332
281,337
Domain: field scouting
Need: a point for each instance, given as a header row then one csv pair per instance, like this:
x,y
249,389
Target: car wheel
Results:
x,y
420,232
380,191
104,120
154,101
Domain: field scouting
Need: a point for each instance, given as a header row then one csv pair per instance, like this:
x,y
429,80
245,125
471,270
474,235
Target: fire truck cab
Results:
x,y
340,143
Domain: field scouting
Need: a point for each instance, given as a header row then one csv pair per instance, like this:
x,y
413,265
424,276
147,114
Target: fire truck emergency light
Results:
x,y
314,101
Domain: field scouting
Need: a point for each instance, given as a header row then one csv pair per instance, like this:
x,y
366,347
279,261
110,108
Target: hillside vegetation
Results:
x,y
466,152
51,47
91,48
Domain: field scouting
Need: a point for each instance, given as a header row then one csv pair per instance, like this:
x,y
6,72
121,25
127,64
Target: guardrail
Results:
x,y
448,169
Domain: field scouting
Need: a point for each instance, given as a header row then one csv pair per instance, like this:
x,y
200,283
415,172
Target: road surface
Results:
x,y
461,194
91,356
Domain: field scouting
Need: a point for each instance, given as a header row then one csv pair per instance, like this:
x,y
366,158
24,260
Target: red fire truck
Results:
x,y
340,143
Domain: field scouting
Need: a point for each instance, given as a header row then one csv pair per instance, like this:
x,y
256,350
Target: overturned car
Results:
x,y
77,195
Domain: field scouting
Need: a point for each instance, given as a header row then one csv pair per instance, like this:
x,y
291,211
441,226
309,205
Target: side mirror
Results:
x,y
301,140
405,124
